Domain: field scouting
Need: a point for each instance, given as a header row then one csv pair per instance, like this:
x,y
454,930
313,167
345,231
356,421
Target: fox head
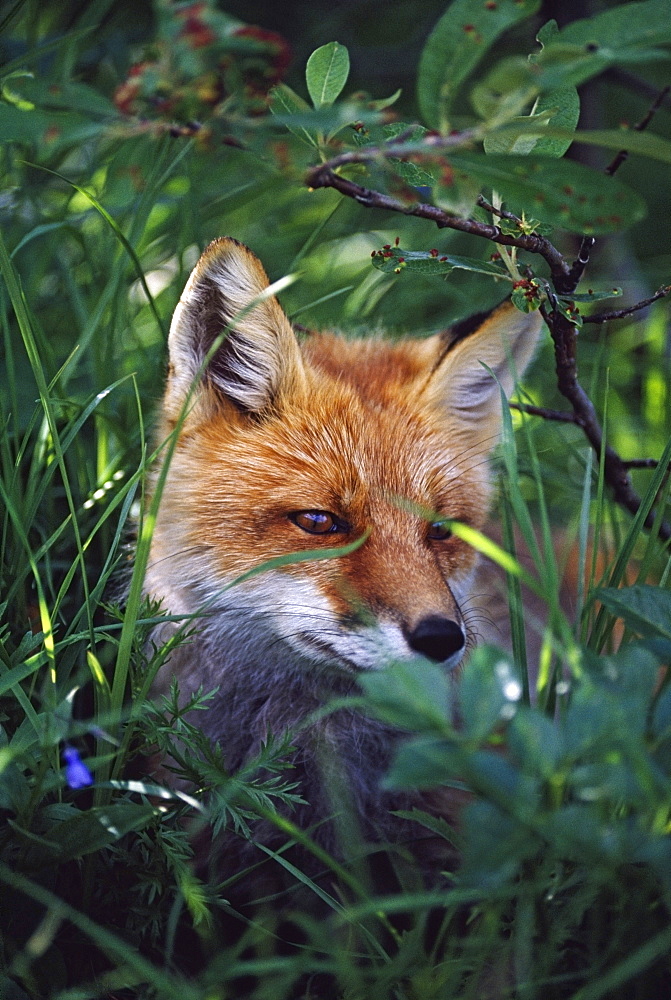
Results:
x,y
286,447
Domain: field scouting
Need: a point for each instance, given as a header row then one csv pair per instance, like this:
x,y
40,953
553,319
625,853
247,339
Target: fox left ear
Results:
x,y
505,343
258,358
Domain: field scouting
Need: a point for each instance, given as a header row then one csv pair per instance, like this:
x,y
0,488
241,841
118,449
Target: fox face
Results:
x,y
287,449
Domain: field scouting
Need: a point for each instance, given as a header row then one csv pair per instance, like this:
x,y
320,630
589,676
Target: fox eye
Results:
x,y
439,530
318,522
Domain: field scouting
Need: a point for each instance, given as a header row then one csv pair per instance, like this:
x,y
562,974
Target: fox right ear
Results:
x,y
258,358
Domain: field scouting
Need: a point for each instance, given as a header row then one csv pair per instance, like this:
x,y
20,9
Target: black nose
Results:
x,y
436,638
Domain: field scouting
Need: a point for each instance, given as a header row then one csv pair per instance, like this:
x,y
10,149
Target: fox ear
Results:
x,y
505,342
258,358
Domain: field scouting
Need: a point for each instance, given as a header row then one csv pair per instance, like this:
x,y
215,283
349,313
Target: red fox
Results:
x,y
286,446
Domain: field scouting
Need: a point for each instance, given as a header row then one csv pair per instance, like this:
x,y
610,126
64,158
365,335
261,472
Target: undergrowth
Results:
x,y
564,887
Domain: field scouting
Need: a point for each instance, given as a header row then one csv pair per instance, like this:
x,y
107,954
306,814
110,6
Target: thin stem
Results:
x,y
606,317
322,176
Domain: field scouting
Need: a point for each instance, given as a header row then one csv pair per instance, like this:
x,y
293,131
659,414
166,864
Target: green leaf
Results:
x,y
412,696
489,691
11,94
558,108
413,173
47,131
643,143
460,39
495,847
392,260
456,191
68,96
560,192
629,33
285,102
98,827
536,742
644,609
326,73
323,120
436,824
505,89
527,295
591,296
545,34
384,102
423,762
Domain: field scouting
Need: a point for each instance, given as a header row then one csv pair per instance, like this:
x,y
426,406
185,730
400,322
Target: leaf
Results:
x,y
545,34
423,762
456,191
326,73
384,102
560,192
558,108
628,33
536,742
46,130
11,94
391,259
413,173
68,96
326,119
505,90
285,102
460,39
644,609
591,296
495,847
412,696
98,827
436,824
643,143
488,692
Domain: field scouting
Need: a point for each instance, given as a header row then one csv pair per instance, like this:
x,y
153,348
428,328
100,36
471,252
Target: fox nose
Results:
x,y
436,638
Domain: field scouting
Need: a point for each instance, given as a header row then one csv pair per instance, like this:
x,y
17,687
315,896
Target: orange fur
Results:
x,y
387,438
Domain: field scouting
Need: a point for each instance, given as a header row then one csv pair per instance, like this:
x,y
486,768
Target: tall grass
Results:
x,y
564,890
566,869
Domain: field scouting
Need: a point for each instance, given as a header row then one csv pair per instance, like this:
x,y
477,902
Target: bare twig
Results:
x,y
641,463
563,334
501,212
636,84
606,317
565,286
564,416
577,269
638,127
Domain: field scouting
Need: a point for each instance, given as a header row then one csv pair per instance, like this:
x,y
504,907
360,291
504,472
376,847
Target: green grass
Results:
x,y
564,889
565,877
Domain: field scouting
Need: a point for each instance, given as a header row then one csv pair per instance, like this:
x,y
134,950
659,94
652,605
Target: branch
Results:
x,y
322,176
616,471
606,317
641,463
541,411
577,269
638,127
565,278
565,286
402,148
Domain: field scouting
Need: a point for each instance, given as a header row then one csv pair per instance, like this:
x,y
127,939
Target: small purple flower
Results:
x,y
77,774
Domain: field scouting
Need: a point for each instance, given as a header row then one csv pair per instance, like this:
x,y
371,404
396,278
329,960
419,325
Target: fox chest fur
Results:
x,y
286,452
